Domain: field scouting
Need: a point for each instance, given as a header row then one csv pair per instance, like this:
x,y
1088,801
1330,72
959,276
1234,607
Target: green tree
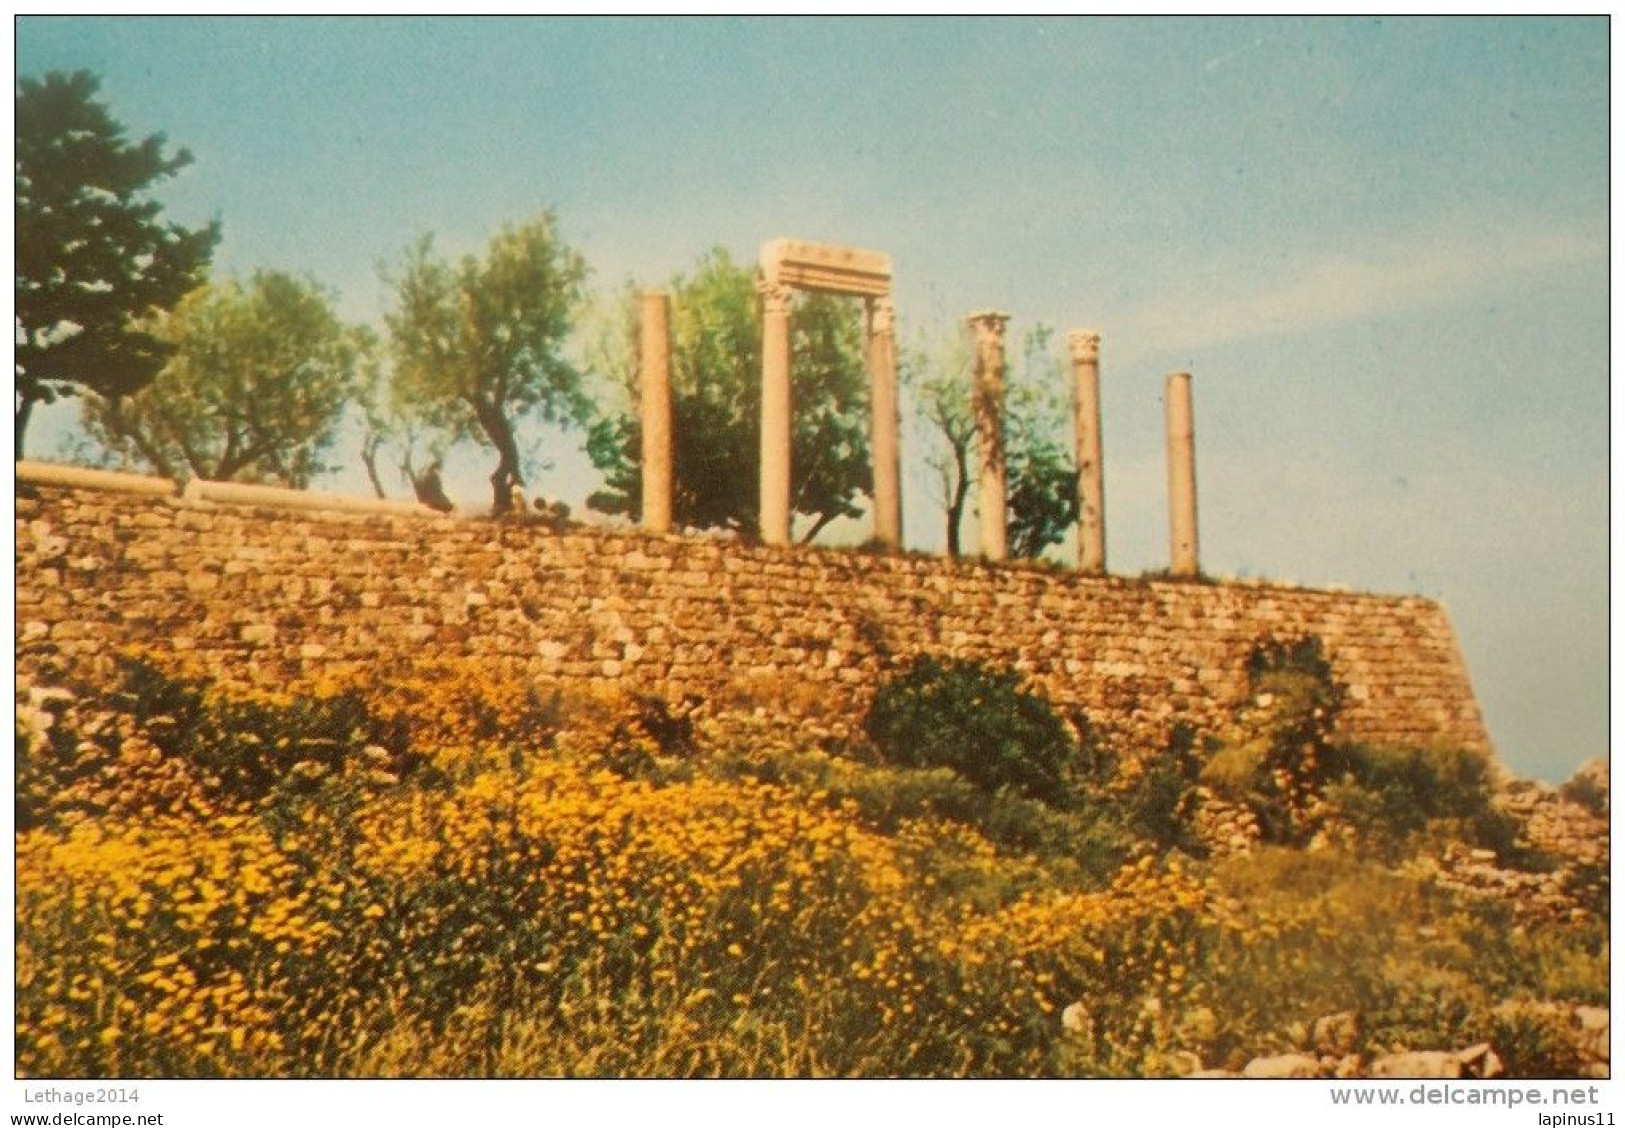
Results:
x,y
716,395
385,422
1041,497
94,261
254,390
940,383
1042,476
477,344
979,720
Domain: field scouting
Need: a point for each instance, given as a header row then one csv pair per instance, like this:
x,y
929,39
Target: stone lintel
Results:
x,y
61,474
278,497
827,268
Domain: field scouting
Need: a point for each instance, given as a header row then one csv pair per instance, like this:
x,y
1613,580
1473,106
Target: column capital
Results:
x,y
775,295
1084,345
882,315
988,323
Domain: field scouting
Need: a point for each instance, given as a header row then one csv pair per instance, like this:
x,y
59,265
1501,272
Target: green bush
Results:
x,y
250,750
1533,1041
1391,796
1284,756
977,720
1160,804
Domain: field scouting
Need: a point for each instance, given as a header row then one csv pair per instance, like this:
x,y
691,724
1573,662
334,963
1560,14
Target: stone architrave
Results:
x,y
654,375
1183,554
1084,345
788,265
987,408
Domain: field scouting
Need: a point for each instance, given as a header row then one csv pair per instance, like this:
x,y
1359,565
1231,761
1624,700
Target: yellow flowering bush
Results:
x,y
459,874
312,930
156,947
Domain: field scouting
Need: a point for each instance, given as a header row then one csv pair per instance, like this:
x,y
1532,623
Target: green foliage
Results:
x,y
1043,498
478,343
716,376
1326,932
1084,841
939,381
1159,804
1304,702
253,750
94,259
254,390
1533,1041
387,422
1283,757
1391,796
1041,490
976,720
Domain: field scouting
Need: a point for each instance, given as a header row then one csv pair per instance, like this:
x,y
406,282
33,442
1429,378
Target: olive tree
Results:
x,y
257,381
478,343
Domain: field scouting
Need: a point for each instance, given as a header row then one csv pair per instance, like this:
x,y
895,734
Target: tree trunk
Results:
x,y
506,476
818,527
25,408
956,504
369,459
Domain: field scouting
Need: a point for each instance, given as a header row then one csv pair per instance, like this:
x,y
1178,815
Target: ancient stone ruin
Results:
x,y
788,265
252,582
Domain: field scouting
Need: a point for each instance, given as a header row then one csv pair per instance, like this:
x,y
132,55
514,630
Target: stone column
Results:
x,y
987,407
883,425
1181,476
775,498
654,369
1085,348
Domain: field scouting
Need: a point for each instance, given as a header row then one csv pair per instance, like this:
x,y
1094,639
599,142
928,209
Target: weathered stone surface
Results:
x,y
1418,1063
1182,528
697,615
1575,836
1076,1018
1480,1061
1282,1065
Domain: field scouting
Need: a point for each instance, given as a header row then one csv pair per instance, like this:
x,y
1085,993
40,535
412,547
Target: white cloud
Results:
x,y
1402,273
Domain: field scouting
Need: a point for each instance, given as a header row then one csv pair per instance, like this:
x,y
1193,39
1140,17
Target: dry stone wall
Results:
x,y
271,595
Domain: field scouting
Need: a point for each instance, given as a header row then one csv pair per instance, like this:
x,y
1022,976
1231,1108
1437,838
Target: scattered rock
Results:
x,y
1222,826
1480,1061
1282,1065
1076,1018
1417,1063
1184,1063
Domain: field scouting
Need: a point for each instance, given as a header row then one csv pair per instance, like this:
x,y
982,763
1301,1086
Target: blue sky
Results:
x,y
1379,245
